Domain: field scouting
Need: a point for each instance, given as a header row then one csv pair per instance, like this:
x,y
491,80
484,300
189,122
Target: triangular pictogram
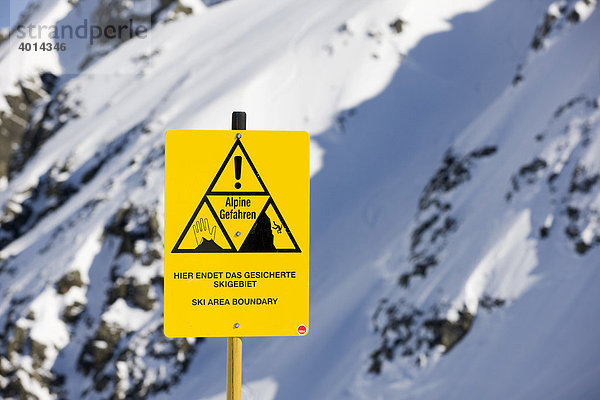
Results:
x,y
269,233
204,233
248,180
237,214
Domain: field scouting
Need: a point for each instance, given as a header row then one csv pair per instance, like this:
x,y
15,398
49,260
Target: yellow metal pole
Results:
x,y
234,368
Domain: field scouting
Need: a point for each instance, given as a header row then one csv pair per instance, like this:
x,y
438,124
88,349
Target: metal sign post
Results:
x,y
234,344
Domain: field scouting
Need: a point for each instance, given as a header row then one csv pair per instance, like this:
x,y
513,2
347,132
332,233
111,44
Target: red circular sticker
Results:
x,y
302,330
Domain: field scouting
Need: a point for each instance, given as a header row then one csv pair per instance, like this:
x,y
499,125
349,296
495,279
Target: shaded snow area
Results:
x,y
455,213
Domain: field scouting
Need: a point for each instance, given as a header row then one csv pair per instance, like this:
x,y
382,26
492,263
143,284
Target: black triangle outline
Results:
x,y
237,144
209,192
205,199
296,248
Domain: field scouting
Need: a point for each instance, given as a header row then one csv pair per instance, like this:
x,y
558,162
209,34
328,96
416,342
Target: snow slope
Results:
x,y
454,207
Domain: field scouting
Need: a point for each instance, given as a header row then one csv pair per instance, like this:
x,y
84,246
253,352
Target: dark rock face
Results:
x,y
20,216
131,224
567,181
448,333
72,312
98,351
58,110
68,281
408,331
582,181
556,175
133,235
135,232
16,343
559,15
38,353
565,13
404,329
542,31
14,123
397,25
434,221
38,108
49,81
489,303
137,294
18,127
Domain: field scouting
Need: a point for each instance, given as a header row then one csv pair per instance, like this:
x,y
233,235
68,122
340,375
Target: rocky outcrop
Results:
x,y
15,121
408,331
69,280
559,15
123,363
98,351
434,219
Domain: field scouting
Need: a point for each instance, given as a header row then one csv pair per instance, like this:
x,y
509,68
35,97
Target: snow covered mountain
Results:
x,y
455,210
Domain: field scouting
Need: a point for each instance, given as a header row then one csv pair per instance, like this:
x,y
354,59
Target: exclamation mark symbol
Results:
x,y
238,170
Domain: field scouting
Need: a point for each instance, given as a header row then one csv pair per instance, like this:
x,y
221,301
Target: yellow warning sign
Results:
x,y
236,233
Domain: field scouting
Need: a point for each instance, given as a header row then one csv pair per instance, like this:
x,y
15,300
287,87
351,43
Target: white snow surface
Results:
x,y
382,109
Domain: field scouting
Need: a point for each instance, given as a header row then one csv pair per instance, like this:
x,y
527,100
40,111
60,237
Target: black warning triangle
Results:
x,y
270,233
225,183
205,232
